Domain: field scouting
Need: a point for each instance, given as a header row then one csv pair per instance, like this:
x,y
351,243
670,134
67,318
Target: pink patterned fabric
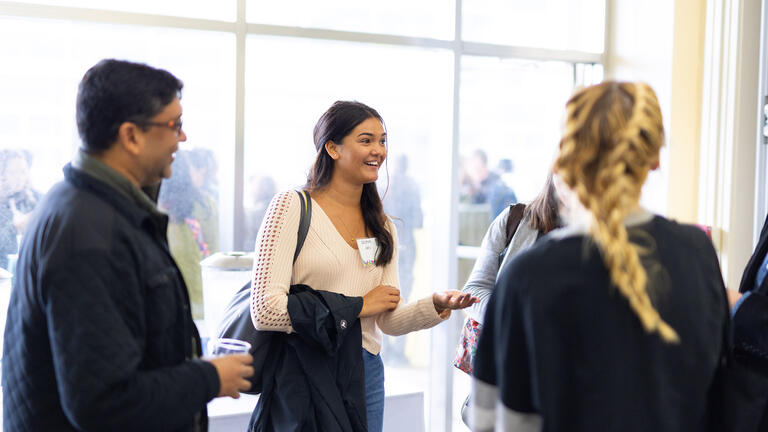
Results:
x,y
197,233
706,228
465,352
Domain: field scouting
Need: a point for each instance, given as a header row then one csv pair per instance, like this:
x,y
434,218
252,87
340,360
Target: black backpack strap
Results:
x,y
514,217
306,218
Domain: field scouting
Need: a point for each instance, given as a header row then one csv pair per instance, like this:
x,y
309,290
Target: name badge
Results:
x,y
368,248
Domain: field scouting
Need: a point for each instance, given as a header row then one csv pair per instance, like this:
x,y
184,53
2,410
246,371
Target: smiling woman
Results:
x,y
362,152
350,252
349,138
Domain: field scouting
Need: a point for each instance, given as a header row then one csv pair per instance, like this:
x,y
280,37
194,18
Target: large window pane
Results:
x,y
39,79
511,113
554,24
224,10
291,82
424,18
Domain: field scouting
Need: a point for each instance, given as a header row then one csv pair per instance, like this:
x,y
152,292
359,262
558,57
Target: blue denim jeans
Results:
x,y
374,391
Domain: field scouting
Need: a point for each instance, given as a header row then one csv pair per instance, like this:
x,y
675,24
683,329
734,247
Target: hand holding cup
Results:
x,y
233,364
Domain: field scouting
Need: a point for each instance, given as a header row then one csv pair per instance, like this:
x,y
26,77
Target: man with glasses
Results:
x,y
99,334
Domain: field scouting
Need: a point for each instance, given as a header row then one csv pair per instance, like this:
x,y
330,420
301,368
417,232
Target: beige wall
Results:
x,y
730,117
642,52
685,109
701,57
661,42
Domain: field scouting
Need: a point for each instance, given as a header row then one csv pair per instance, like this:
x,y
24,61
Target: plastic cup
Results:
x,y
226,346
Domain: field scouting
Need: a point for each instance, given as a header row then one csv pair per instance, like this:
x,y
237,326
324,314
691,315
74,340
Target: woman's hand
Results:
x,y
380,299
452,300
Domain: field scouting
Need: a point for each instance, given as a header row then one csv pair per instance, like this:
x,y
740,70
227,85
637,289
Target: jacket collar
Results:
x,y
636,217
755,261
146,199
128,204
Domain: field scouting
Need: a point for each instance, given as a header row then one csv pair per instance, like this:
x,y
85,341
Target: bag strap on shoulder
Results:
x,y
514,217
306,218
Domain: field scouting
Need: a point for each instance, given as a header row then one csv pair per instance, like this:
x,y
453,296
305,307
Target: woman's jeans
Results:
x,y
374,391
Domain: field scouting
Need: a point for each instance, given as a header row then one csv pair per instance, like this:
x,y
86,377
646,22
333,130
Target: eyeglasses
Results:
x,y
174,125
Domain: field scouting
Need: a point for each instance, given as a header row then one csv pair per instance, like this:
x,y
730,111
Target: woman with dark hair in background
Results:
x,y
539,218
618,321
498,247
203,173
351,247
179,198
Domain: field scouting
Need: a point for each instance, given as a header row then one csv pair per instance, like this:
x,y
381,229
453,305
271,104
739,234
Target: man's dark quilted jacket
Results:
x,y
99,334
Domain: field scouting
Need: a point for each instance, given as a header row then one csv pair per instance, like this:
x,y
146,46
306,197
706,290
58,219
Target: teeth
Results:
x,y
372,163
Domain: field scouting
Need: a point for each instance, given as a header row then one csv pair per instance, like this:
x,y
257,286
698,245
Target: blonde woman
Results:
x,y
616,322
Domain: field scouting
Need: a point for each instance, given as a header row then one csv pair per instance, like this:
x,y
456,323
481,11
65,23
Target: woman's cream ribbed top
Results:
x,y
326,262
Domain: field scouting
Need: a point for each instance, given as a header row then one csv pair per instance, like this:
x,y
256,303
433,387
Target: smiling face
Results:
x,y
159,145
360,154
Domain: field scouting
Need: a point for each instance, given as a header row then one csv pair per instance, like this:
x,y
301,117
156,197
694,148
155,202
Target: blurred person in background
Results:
x,y
180,198
539,218
485,186
205,168
262,189
506,170
203,171
17,200
402,203
501,243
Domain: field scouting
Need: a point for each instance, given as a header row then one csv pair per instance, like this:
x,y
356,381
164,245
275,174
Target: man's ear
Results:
x,y
332,149
130,138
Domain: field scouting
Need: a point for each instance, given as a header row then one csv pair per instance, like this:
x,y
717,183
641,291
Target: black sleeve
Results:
x,y
321,318
750,322
97,356
739,391
750,327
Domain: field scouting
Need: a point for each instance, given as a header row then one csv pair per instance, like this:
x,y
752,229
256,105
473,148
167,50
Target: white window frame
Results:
x,y
732,158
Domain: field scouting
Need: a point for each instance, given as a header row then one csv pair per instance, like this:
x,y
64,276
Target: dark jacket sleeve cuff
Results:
x,y
213,385
749,323
347,313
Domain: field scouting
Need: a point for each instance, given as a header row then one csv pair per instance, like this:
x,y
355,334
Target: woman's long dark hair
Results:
x,y
542,211
336,123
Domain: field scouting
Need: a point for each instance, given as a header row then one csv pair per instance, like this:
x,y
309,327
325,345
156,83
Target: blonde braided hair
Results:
x,y
612,139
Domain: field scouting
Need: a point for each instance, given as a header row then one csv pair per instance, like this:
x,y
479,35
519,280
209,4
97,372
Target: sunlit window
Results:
x,y
424,18
553,24
257,88
215,10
